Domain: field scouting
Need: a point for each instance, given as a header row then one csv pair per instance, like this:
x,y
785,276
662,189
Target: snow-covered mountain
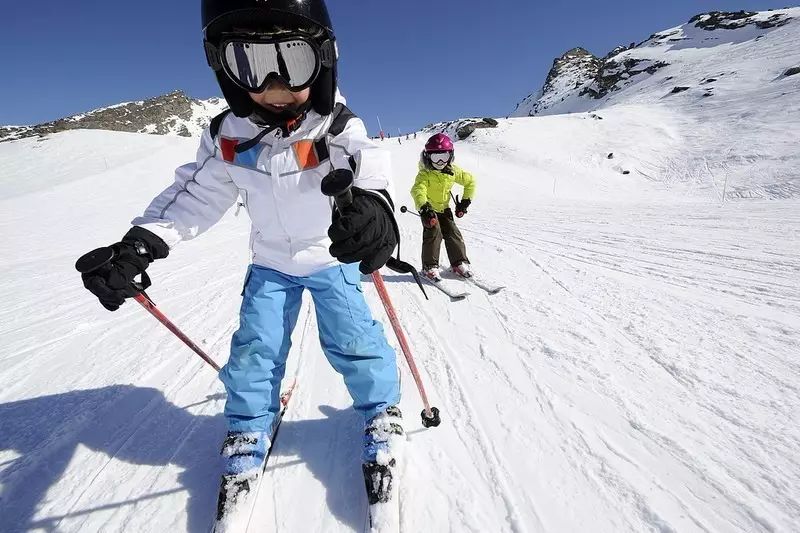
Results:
x,y
170,114
460,129
722,92
711,56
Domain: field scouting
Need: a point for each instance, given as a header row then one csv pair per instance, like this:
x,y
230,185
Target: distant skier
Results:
x,y
287,128
431,193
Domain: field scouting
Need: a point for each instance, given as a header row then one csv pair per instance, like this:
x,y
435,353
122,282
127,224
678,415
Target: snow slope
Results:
x,y
737,111
639,373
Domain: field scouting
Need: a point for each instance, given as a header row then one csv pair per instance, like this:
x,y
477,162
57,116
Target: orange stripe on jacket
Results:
x,y
306,154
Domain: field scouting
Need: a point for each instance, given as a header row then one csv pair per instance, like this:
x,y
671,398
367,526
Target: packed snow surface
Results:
x,y
639,372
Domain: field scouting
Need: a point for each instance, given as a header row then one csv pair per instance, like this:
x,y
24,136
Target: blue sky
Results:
x,y
410,61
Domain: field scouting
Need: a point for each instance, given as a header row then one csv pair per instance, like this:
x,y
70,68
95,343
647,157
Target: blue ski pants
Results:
x,y
353,342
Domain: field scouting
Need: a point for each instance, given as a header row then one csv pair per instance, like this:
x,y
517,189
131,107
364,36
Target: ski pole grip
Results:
x,y
100,259
337,184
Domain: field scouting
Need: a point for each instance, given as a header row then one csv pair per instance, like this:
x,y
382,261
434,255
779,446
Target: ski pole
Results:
x,y
432,222
404,209
430,415
151,308
338,184
100,258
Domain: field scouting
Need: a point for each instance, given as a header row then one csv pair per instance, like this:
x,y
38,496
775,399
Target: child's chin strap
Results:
x,y
245,146
286,129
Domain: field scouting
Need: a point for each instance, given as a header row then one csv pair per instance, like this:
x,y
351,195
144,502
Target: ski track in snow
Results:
x,y
467,424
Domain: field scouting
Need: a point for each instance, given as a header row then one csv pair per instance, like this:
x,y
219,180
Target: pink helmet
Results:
x,y
439,143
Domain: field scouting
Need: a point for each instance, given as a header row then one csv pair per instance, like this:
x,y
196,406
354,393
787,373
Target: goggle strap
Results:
x,y
212,56
327,53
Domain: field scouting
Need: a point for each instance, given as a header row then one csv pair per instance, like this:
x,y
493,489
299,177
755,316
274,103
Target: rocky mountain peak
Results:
x,y
578,80
727,20
173,113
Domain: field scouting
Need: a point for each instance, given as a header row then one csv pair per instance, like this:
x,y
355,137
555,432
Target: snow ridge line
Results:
x,y
297,374
144,414
669,446
496,470
645,513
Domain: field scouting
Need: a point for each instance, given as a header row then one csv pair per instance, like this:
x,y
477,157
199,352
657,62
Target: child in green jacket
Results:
x,y
431,193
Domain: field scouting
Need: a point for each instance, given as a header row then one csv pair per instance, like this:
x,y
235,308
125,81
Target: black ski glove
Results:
x,y
364,232
113,281
462,206
428,216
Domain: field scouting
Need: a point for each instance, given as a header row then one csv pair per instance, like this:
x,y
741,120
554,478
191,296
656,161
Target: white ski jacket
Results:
x,y
278,181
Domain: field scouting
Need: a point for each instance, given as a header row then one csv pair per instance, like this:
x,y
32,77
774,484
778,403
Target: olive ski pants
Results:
x,y
446,230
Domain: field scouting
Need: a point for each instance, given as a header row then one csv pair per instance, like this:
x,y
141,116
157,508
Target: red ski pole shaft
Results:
x,y
338,185
153,310
401,338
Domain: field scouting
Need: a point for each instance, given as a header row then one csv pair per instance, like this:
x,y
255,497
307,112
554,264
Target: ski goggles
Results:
x,y
440,158
252,62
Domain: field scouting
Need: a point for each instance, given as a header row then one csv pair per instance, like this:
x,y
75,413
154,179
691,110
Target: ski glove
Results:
x,y
114,281
365,232
428,216
462,206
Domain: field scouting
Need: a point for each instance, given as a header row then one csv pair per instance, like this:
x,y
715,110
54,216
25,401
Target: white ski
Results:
x,y
447,287
482,284
478,281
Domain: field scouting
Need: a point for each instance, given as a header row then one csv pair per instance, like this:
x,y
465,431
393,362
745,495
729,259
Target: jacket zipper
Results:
x,y
275,180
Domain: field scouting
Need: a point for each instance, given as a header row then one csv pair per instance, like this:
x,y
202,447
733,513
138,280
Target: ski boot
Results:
x,y
383,442
463,269
245,454
432,273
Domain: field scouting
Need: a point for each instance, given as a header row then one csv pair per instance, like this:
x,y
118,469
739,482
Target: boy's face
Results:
x,y
277,98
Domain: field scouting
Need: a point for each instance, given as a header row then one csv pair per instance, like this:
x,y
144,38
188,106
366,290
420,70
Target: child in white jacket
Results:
x,y
286,129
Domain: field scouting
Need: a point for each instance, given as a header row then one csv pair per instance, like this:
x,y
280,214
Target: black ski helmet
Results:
x,y
220,16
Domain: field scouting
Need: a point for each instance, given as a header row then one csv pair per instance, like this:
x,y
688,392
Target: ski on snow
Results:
x,y
446,286
384,517
477,281
234,517
382,483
